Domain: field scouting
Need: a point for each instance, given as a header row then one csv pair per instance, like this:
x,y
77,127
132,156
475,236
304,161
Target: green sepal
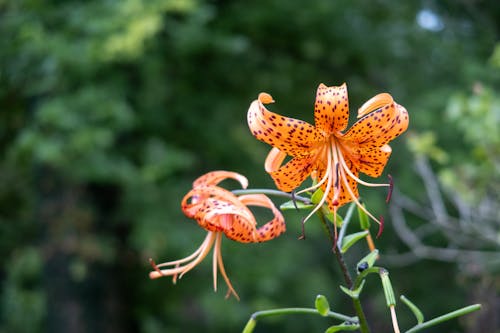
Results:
x,y
364,222
370,259
416,311
297,205
322,305
351,239
353,293
342,327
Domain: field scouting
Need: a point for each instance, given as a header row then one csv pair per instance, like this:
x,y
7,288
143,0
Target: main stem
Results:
x,y
363,324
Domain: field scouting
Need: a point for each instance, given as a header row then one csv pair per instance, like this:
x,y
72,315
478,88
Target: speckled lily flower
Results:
x,y
333,155
221,212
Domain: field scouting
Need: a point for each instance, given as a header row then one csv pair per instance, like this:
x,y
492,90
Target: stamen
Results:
x,y
391,187
303,234
380,226
328,176
353,197
201,252
317,185
349,172
188,258
214,261
222,270
155,267
335,238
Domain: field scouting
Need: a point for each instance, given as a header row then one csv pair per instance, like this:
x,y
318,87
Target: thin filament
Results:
x,y
188,258
349,172
328,175
222,270
202,253
353,197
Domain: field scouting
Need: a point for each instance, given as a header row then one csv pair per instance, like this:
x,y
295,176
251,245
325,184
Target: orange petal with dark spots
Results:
x,y
274,160
292,136
215,177
331,109
379,127
371,160
271,229
292,174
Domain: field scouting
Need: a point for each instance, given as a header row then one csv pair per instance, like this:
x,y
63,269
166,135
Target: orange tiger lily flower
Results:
x,y
333,156
221,212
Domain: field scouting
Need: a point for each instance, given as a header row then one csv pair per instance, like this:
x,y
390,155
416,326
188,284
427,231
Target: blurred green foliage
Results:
x,y
109,110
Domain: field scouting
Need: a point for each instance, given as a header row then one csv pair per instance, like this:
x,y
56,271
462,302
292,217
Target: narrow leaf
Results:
x,y
353,293
364,222
416,311
351,239
342,327
298,205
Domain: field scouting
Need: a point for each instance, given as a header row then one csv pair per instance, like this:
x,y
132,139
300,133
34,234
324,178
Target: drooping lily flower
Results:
x,y
334,156
221,212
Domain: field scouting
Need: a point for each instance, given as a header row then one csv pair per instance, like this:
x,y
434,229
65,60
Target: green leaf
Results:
x,y
317,195
297,205
416,311
342,327
322,305
364,223
353,293
351,239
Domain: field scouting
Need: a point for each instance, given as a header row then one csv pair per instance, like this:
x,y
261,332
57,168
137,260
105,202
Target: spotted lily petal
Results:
x,y
292,136
245,231
292,174
331,109
380,126
215,177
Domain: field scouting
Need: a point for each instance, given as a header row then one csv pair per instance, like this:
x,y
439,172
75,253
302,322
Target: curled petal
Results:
x,y
379,127
292,136
271,229
374,103
215,177
193,202
331,109
274,160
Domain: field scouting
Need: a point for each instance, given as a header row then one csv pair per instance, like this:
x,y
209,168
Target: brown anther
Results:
x,y
303,235
391,187
380,226
153,264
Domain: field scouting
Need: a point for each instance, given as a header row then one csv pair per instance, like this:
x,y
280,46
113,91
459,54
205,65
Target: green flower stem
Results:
x,y
274,193
363,324
338,254
363,275
286,311
448,316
